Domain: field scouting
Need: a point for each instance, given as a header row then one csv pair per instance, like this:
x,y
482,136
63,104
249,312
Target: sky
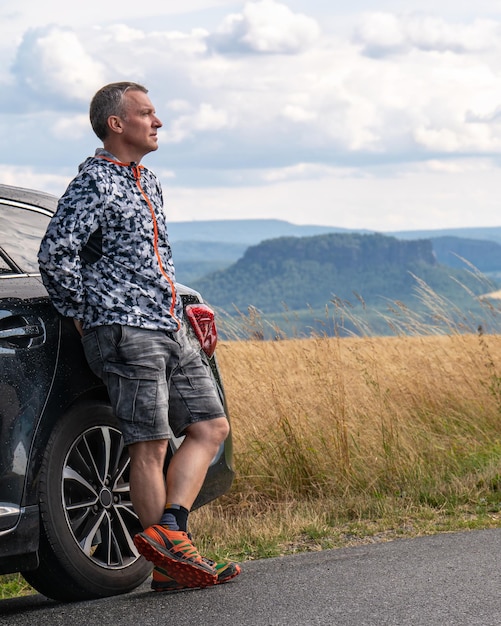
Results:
x,y
359,115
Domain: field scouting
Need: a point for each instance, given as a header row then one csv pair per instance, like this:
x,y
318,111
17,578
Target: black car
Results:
x,y
66,519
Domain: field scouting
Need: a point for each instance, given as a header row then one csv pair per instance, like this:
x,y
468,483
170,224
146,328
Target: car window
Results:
x,y
5,268
21,230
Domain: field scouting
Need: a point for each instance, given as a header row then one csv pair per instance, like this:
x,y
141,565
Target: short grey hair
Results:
x,y
109,101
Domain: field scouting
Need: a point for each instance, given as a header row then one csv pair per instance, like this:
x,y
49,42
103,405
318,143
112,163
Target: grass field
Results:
x,y
360,439
339,441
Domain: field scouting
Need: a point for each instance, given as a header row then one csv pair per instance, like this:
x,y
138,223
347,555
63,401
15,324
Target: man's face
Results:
x,y
139,124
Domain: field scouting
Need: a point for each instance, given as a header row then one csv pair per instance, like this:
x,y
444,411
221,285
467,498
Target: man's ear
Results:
x,y
115,124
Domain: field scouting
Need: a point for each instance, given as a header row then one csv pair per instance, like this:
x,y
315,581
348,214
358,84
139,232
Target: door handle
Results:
x,y
30,331
23,332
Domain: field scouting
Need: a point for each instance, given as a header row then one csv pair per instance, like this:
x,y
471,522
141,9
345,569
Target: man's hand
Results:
x,y
78,326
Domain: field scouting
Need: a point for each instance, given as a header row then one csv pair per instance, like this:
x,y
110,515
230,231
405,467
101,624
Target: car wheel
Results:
x,y
87,521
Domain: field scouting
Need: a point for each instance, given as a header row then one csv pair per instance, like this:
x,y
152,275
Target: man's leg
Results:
x,y
185,476
147,482
188,467
186,472
171,549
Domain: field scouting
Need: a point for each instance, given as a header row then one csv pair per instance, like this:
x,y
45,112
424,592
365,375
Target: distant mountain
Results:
x,y
202,247
487,233
483,255
252,231
247,232
309,271
194,259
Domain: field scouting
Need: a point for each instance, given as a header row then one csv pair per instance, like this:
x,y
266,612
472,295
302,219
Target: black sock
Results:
x,y
175,517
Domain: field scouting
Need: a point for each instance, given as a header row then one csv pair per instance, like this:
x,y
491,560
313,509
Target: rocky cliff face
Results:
x,y
345,251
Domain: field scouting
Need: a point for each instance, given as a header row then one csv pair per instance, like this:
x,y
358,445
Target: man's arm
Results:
x,y
59,254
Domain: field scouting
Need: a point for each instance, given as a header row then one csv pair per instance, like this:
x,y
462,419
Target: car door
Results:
x,y
29,338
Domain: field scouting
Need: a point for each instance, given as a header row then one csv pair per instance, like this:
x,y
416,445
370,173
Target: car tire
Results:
x,y
87,521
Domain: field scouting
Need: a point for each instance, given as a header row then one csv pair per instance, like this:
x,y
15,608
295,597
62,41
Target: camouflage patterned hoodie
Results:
x,y
106,258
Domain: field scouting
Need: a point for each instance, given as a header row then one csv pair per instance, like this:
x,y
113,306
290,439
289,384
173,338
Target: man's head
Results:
x,y
124,118
109,100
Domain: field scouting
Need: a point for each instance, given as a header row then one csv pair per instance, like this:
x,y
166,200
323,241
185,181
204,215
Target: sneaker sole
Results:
x,y
175,586
185,572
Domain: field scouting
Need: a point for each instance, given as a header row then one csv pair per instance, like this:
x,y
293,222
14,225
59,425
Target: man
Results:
x,y
106,262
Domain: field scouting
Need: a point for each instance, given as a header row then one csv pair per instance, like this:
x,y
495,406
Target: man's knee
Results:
x,y
148,453
223,427
215,430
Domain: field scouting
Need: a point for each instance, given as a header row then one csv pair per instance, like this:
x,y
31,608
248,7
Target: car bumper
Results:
x,y
19,544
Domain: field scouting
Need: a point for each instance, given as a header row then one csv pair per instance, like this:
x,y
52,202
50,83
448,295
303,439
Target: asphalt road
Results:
x,y
447,579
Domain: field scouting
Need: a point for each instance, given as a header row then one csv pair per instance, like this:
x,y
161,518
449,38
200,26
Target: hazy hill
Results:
x,y
255,230
301,272
243,231
487,233
194,259
454,251
207,246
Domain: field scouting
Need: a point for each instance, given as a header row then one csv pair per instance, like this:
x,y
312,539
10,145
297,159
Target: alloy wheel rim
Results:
x,y
96,498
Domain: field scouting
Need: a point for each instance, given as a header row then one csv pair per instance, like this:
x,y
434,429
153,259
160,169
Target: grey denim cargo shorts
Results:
x,y
157,382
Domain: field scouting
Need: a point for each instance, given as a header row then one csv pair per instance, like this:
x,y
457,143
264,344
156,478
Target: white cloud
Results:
x,y
479,139
121,33
205,118
267,27
53,62
372,200
456,166
76,127
380,32
271,114
297,113
387,33
33,178
308,171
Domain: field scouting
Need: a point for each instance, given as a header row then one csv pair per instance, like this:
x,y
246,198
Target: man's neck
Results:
x,y
122,154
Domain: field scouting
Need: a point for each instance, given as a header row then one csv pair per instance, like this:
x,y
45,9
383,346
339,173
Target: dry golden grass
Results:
x,y
341,440
382,402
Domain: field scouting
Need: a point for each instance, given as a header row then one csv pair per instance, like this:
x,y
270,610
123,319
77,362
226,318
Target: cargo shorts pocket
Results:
x,y
133,393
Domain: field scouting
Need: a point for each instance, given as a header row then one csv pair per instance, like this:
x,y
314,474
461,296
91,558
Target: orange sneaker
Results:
x,y
161,580
174,552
